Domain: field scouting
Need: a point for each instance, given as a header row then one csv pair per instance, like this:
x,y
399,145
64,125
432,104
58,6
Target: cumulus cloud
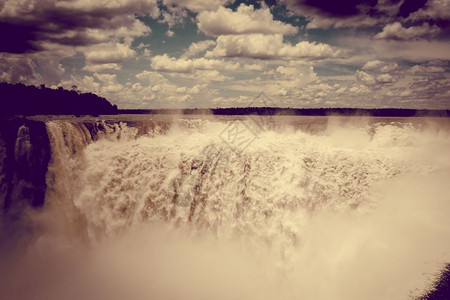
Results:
x,y
366,48
109,6
365,78
152,77
384,78
426,69
198,47
330,22
107,53
248,54
177,11
17,69
253,67
173,15
396,31
195,5
245,20
209,75
105,67
109,83
368,79
269,47
380,66
190,90
28,68
84,83
278,78
165,63
170,33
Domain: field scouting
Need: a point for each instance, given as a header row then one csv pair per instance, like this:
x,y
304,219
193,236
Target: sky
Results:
x,y
224,53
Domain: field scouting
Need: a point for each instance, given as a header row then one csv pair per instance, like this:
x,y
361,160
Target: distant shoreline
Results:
x,y
19,99
274,111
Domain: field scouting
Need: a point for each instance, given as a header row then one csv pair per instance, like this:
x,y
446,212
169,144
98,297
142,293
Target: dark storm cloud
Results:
x,y
410,6
348,8
50,21
356,13
24,34
337,8
17,38
36,37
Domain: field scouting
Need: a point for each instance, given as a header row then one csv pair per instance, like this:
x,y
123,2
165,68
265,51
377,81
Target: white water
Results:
x,y
356,211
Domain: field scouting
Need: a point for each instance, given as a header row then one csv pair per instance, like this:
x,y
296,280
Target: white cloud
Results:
x,y
269,47
210,75
330,22
28,68
170,33
192,90
85,83
245,20
370,80
125,6
106,78
365,78
198,47
109,83
424,69
415,50
121,28
195,5
106,56
175,15
183,65
280,78
384,78
152,77
14,68
396,31
102,67
380,66
253,67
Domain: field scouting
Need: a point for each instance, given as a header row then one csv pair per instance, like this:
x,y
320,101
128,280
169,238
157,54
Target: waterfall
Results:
x,y
304,208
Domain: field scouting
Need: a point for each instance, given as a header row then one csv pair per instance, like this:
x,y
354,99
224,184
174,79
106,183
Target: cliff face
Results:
x,y
24,157
20,99
25,154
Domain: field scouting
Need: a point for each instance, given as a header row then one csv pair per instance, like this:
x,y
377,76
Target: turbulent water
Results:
x,y
166,207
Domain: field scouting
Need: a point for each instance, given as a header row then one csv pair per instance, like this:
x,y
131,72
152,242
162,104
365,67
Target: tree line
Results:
x,y
20,99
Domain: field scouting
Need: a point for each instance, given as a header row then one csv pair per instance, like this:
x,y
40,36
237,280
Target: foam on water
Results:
x,y
355,210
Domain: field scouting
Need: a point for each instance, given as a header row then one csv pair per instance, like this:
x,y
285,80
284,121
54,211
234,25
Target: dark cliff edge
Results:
x,y
25,153
19,99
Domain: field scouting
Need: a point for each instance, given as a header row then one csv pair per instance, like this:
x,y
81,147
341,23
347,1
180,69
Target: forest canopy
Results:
x,y
20,99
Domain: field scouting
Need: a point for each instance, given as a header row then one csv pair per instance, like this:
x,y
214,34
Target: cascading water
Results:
x,y
308,208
